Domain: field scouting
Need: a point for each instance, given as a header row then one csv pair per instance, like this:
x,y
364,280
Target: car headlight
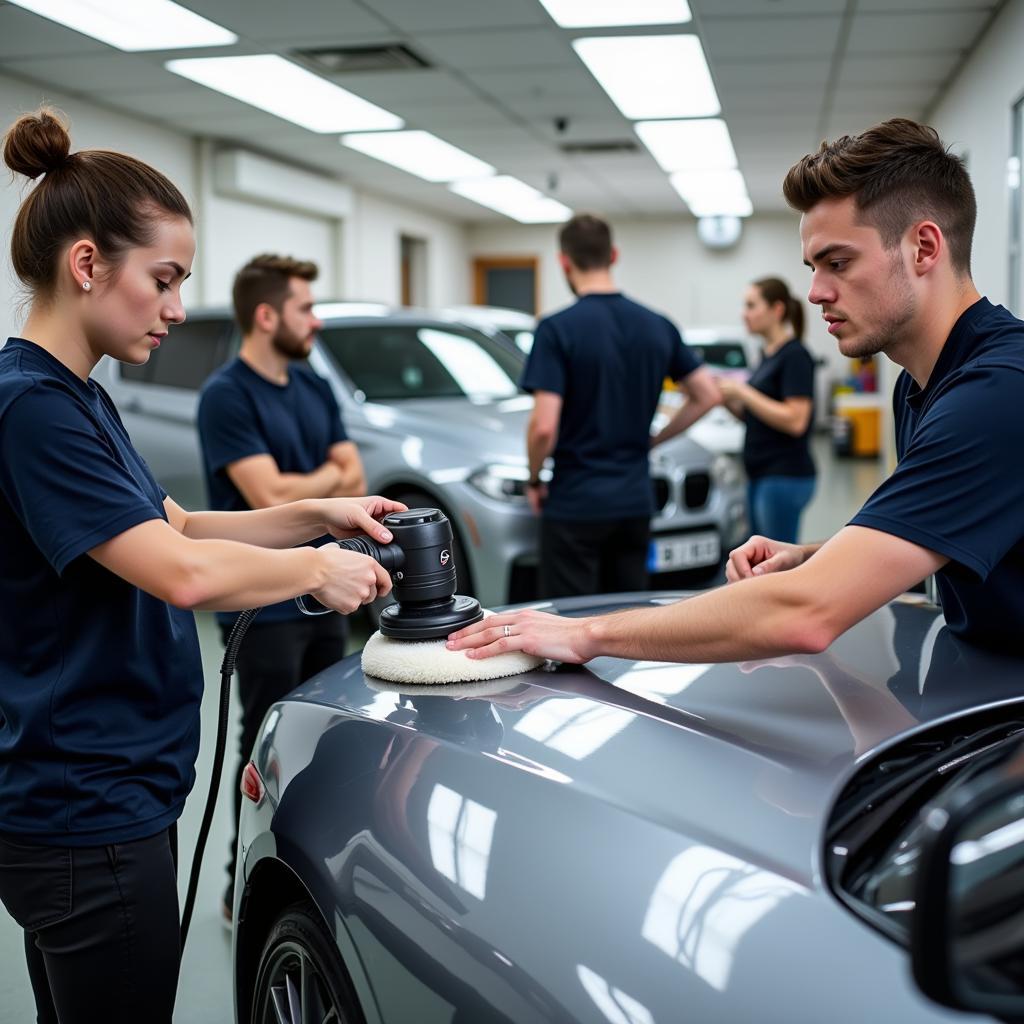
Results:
x,y
726,472
502,482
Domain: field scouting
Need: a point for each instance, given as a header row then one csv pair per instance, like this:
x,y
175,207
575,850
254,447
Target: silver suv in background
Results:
x,y
436,412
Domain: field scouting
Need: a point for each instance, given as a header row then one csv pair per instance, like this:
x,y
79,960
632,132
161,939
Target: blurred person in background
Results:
x,y
776,405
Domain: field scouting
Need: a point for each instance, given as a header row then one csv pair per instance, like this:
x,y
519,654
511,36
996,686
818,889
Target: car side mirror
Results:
x,y
967,929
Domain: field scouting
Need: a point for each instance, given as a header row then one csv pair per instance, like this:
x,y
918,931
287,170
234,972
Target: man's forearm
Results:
x,y
282,526
751,619
538,447
682,420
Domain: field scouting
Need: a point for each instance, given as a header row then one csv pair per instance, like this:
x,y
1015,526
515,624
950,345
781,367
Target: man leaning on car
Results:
x,y
886,229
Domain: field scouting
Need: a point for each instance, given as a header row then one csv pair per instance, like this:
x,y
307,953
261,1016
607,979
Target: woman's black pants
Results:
x,y
101,927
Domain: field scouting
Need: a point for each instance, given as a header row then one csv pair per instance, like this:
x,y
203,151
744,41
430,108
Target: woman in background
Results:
x,y
777,406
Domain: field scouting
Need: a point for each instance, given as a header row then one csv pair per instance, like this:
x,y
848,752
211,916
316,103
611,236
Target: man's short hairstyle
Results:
x,y
587,241
266,278
898,172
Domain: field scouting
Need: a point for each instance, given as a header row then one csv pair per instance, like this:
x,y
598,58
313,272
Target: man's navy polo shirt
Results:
x,y
958,488
100,683
242,413
608,358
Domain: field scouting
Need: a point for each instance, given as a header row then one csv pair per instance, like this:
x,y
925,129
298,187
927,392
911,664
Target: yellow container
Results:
x,y
866,428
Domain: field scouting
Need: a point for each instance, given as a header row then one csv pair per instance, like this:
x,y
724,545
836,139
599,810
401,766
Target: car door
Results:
x,y
157,402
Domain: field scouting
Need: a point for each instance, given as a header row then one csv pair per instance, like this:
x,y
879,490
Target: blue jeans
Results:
x,y
775,504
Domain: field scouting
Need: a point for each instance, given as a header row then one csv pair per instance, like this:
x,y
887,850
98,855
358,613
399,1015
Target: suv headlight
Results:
x,y
501,482
726,472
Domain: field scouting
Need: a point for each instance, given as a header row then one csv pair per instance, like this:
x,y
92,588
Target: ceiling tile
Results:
x,y
710,10
898,70
925,32
454,15
24,35
280,24
513,48
813,36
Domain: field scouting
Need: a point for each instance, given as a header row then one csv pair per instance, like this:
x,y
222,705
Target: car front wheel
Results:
x,y
301,979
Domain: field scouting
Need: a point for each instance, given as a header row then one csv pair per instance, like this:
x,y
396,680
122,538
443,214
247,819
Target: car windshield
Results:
x,y
387,361
725,355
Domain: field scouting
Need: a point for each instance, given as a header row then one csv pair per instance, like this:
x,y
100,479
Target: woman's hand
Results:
x,y
732,390
556,637
352,579
352,517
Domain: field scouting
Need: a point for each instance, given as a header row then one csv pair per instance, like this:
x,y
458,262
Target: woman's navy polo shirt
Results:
x,y
959,488
100,683
786,373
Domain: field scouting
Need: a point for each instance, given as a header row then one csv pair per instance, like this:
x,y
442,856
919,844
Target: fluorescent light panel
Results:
x,y
284,89
419,153
138,25
702,145
599,13
713,193
652,76
513,198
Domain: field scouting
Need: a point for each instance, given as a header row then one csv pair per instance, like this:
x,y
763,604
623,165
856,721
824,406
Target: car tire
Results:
x,y
299,948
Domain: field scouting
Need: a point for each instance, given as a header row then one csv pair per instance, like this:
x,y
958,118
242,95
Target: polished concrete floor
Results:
x,y
204,992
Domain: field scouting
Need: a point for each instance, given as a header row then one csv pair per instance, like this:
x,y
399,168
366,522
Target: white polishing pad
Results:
x,y
484,688
429,661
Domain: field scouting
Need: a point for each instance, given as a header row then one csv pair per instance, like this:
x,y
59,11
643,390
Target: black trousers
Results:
x,y
275,657
593,556
101,927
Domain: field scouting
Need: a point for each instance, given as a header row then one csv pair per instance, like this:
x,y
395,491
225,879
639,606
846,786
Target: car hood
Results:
x,y
496,428
744,757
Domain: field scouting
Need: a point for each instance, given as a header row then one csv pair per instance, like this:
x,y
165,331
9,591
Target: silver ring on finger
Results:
x,y
506,630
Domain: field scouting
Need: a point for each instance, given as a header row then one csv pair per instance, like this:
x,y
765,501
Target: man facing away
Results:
x,y
596,372
886,229
271,432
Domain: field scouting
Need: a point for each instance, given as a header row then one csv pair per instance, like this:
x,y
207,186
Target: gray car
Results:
x,y
434,408
629,842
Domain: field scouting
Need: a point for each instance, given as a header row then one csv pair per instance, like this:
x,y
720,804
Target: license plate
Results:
x,y
687,551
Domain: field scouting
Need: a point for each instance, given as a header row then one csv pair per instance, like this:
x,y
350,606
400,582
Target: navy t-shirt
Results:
x,y
242,413
786,373
958,488
608,357
100,683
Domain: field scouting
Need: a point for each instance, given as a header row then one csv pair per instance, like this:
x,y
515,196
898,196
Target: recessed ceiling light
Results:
x,y
139,25
652,76
419,153
713,193
279,87
514,198
698,145
597,13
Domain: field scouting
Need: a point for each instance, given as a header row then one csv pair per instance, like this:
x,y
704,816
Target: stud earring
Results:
x,y
86,286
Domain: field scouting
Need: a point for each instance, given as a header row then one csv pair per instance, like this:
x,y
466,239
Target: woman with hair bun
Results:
x,y
100,674
777,406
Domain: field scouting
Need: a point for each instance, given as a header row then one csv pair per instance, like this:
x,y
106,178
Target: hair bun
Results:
x,y
37,143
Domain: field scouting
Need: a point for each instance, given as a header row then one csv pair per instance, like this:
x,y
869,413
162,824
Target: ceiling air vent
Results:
x,y
598,148
337,60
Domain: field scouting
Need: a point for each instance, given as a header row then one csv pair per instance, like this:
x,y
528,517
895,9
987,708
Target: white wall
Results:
x,y
373,252
664,265
974,116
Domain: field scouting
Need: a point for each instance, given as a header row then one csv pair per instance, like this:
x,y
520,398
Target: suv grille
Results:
x,y
660,486
696,488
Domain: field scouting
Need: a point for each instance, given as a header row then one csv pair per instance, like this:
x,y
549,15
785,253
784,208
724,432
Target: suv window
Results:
x,y
395,361
729,355
189,354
